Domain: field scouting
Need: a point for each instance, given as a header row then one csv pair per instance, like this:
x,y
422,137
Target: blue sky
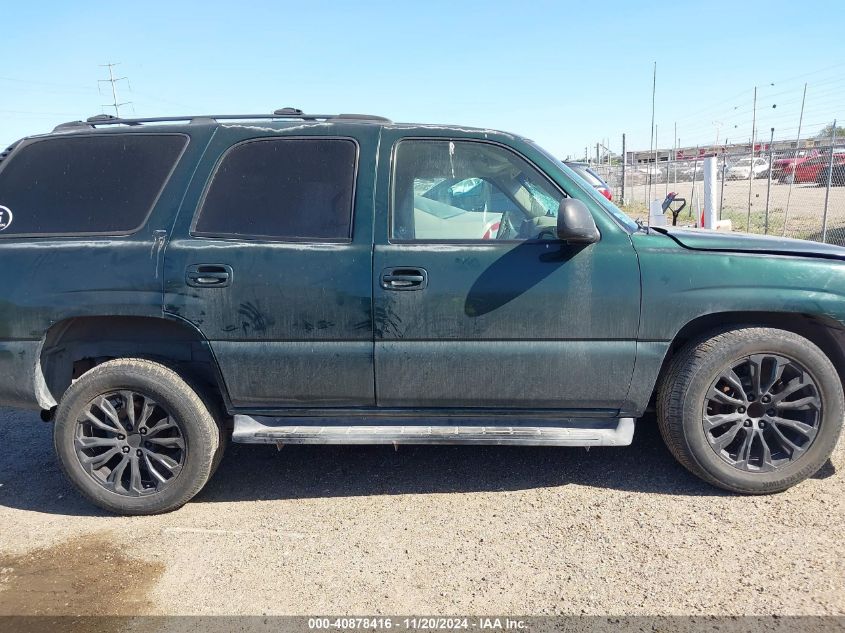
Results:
x,y
566,74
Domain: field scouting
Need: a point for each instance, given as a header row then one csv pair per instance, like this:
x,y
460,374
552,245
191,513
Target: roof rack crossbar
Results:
x,y
283,113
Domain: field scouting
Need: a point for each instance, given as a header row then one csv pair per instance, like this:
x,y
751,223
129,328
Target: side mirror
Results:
x,y
575,223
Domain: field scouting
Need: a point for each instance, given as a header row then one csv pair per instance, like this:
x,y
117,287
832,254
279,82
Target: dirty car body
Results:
x,y
272,268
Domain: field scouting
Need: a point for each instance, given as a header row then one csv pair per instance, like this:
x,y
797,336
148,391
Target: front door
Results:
x,y
476,302
271,260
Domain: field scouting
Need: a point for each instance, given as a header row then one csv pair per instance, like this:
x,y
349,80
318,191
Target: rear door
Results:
x,y
271,260
476,302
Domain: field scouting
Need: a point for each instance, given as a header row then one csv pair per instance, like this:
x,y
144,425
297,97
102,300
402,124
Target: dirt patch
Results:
x,y
86,576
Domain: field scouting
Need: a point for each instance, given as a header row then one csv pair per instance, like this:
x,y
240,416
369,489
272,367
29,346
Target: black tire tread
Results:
x,y
672,393
183,390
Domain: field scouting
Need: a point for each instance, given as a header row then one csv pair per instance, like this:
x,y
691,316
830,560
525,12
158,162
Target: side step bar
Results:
x,y
581,432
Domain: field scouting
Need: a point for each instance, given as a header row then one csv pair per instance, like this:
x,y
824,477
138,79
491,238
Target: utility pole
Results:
x,y
717,125
113,81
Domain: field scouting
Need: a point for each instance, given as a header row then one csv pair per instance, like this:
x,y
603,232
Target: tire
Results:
x,y
177,444
220,416
696,373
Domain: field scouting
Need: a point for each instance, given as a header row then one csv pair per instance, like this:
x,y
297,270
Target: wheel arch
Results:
x,y
74,345
826,333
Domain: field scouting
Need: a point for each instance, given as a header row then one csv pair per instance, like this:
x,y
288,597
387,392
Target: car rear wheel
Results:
x,y
751,410
135,438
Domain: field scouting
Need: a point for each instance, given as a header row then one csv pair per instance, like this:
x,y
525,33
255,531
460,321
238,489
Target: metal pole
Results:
x,y
652,139
694,175
624,160
769,184
724,173
676,141
708,218
655,157
668,165
113,92
751,170
795,159
829,182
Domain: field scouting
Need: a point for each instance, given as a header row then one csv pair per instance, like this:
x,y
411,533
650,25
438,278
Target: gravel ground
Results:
x,y
443,530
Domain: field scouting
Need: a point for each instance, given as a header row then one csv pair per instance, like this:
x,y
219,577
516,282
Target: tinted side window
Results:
x,y
85,184
289,189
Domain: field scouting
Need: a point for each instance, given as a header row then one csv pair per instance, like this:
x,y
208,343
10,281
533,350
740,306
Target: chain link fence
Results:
x,y
792,193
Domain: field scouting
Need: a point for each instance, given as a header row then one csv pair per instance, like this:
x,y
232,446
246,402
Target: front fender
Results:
x,y
681,285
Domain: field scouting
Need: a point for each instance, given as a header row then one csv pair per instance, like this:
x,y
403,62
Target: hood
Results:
x,y
705,240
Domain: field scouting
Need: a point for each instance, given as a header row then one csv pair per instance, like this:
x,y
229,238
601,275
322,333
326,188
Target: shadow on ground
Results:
x,y
31,479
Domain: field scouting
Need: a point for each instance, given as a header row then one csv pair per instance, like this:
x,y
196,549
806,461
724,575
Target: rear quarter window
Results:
x,y
105,184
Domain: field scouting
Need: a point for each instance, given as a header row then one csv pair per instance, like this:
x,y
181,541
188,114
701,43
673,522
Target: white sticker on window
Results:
x,y
5,217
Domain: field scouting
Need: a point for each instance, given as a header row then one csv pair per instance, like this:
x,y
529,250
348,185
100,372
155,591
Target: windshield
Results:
x,y
591,192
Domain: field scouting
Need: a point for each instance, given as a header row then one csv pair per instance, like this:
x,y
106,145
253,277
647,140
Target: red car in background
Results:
x,y
837,178
811,169
782,167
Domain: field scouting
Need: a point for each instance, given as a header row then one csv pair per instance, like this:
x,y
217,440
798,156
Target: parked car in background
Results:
x,y
783,165
584,170
692,170
812,169
838,177
746,168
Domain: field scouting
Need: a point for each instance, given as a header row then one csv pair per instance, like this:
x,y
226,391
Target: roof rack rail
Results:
x,y
8,151
281,113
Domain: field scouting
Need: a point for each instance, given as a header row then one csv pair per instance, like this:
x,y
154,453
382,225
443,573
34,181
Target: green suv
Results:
x,y
171,283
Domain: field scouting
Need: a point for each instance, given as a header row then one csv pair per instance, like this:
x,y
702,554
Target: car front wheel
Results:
x,y
751,410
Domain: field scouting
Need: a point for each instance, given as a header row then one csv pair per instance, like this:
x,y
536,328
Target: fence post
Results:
x,y
829,182
624,160
694,176
675,164
795,158
751,171
769,184
724,173
708,218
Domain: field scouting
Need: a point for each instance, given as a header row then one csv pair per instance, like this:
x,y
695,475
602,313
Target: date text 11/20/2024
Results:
x,y
418,623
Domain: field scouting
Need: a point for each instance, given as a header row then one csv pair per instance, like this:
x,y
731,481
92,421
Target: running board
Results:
x,y
569,432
